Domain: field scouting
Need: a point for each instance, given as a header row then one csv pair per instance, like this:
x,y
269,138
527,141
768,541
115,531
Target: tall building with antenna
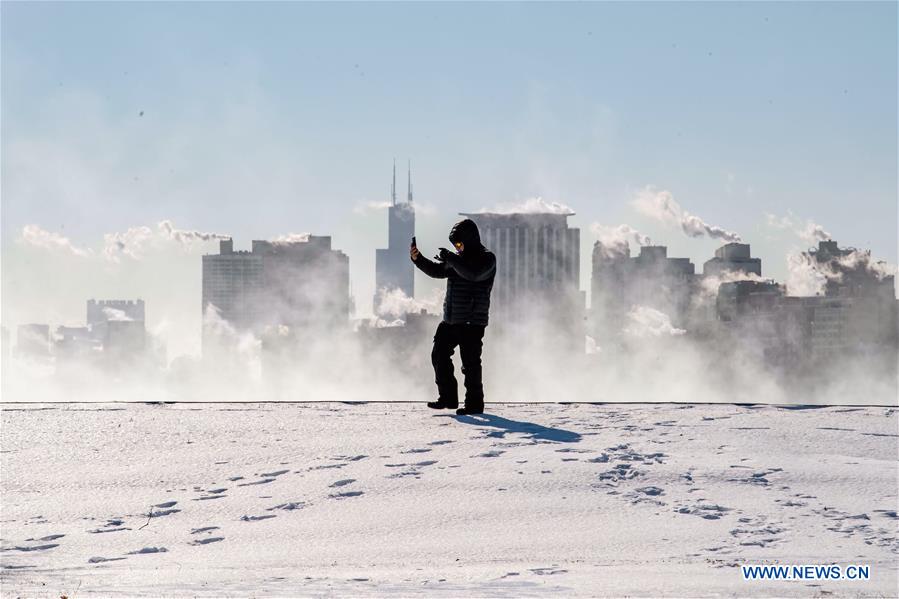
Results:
x,y
393,268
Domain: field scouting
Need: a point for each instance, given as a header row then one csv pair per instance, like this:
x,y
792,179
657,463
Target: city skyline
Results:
x,y
737,110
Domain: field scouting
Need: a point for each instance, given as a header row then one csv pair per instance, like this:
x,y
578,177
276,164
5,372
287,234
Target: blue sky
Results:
x,y
261,119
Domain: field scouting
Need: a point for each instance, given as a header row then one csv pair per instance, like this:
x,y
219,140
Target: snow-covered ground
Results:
x,y
395,499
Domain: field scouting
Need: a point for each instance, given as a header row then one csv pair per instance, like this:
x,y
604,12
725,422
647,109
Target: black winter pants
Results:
x,y
469,338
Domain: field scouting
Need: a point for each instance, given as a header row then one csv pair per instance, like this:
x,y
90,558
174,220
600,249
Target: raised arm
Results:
x,y
435,270
474,270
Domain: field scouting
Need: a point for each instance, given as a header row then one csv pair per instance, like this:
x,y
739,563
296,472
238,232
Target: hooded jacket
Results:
x,y
469,276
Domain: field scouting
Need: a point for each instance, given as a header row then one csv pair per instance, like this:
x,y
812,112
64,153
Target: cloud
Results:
x,y
37,237
615,241
660,205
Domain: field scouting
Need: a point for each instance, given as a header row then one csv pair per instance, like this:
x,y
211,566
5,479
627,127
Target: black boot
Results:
x,y
443,405
466,410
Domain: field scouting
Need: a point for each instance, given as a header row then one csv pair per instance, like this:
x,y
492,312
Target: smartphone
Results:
x,y
413,242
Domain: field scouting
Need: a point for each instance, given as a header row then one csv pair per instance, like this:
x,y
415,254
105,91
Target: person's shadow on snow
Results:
x,y
504,425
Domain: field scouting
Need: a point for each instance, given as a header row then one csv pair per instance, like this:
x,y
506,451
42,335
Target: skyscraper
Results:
x,y
537,272
650,279
393,268
101,313
298,284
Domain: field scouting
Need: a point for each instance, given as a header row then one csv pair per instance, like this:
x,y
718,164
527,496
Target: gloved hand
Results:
x,y
442,254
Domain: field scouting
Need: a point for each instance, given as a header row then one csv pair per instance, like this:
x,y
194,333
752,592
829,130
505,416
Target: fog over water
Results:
x,y
137,137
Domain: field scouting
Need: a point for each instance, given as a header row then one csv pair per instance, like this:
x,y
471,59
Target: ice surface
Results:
x,y
370,499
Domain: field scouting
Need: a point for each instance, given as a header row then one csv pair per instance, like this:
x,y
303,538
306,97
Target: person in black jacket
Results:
x,y
469,278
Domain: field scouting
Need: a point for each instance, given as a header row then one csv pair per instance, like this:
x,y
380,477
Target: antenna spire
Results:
x,y
409,195
393,185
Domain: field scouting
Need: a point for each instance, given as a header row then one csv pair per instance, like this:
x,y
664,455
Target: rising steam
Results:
x,y
810,232
133,243
37,237
709,284
114,314
660,205
396,304
371,206
535,205
806,276
615,241
648,323
185,237
291,238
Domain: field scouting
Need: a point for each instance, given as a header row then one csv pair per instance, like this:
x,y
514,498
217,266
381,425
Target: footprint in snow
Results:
x,y
99,530
704,510
273,474
340,483
166,504
547,571
420,450
490,454
146,550
255,518
600,460
293,505
47,538
195,531
345,494
112,525
257,482
405,473
207,540
100,560
443,442
32,548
